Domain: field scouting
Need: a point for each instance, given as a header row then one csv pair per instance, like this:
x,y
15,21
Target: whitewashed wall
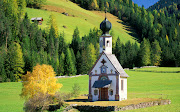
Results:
x,y
108,49
108,64
123,93
113,87
93,79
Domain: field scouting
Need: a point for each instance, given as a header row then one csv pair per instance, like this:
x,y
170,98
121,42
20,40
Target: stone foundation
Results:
x,y
91,108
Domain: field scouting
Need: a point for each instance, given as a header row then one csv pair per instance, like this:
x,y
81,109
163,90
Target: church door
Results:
x,y
104,93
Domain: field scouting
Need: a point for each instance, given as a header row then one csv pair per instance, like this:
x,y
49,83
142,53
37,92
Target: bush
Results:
x,y
41,102
8,80
1,79
76,90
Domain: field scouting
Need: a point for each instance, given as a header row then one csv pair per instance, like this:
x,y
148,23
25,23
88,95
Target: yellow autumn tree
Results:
x,y
40,80
94,5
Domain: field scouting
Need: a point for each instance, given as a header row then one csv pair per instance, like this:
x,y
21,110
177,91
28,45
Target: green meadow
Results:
x,y
81,18
140,85
159,69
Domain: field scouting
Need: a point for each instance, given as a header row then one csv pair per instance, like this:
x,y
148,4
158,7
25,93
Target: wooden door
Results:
x,y
104,93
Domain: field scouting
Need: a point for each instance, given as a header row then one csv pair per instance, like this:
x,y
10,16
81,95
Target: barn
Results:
x,y
39,19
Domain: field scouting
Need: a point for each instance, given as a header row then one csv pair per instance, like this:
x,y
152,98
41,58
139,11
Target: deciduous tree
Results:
x,y
40,80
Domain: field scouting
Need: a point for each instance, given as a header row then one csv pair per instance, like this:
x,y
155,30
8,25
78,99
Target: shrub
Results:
x,y
41,102
8,80
76,90
1,79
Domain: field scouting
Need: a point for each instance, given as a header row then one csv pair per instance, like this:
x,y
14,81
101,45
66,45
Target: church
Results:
x,y
107,78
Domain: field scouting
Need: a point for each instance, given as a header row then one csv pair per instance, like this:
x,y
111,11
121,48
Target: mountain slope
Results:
x,y
162,4
81,18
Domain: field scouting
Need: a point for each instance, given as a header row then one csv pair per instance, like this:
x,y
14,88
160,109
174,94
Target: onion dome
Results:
x,y
105,26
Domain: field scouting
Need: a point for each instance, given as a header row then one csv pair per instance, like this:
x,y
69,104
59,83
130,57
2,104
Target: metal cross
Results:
x,y
103,61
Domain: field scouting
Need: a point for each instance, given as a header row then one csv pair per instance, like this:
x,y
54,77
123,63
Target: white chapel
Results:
x,y
107,78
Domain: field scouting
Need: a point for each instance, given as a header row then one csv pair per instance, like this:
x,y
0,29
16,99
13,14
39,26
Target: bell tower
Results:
x,y
105,39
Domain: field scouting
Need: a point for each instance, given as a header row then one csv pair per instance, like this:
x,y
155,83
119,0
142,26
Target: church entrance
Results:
x,y
103,93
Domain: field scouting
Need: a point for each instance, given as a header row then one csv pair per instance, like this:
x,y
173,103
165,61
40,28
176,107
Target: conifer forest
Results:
x,y
23,44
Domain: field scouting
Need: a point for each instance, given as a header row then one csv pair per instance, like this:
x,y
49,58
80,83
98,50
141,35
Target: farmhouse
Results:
x,y
107,78
39,19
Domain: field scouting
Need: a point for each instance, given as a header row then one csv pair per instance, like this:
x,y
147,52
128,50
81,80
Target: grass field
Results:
x,y
159,69
81,18
140,85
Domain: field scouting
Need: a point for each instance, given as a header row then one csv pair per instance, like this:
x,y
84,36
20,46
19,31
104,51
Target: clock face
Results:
x,y
104,78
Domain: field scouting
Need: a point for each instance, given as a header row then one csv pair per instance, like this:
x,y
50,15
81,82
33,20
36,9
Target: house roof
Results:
x,y
112,58
101,83
36,18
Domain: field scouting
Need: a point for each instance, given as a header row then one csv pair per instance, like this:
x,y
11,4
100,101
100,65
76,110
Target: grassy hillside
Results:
x,y
81,18
140,85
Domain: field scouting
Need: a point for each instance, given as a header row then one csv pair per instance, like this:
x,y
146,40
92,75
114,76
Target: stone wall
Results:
x,y
88,108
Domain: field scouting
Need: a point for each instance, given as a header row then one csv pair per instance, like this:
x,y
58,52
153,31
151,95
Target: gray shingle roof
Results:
x,y
101,83
117,65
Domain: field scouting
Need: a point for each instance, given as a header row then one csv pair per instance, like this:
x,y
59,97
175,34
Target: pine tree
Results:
x,y
61,64
117,47
78,62
84,62
74,62
21,7
91,56
155,53
75,44
52,26
68,64
16,61
145,52
11,11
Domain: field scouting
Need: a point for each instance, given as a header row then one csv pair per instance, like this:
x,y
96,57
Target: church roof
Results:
x,y
112,58
101,83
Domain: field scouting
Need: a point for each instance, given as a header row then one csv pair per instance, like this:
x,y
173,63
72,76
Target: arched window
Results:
x,y
103,78
95,92
103,69
111,92
108,44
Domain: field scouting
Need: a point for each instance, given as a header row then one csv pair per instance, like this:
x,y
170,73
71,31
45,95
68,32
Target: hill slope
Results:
x,y
81,18
162,4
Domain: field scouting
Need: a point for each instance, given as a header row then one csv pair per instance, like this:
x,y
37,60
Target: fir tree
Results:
x,y
76,41
91,56
145,52
78,62
155,53
69,65
84,62
16,61
61,64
